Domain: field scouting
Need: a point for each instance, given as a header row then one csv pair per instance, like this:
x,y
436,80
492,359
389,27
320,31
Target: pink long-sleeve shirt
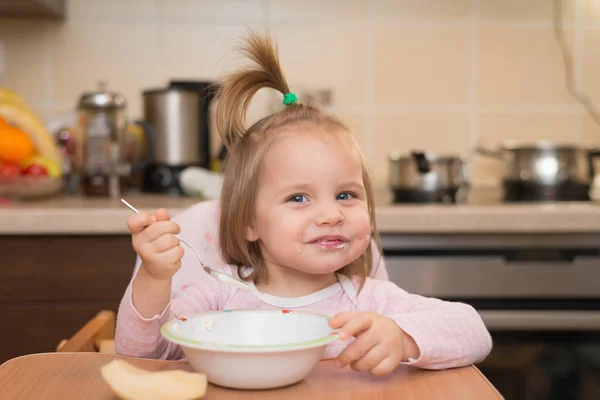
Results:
x,y
448,334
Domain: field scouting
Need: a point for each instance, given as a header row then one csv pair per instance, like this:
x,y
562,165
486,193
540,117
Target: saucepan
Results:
x,y
424,177
561,171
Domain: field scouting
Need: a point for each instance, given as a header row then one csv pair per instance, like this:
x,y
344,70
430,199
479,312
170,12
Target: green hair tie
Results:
x,y
289,98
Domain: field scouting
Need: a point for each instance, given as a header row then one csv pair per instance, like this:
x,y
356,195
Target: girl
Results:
x,y
296,219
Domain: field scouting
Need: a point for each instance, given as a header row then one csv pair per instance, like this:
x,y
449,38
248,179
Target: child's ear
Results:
x,y
252,234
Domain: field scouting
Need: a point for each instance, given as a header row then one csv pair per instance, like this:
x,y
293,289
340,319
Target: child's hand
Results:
x,y
153,238
380,345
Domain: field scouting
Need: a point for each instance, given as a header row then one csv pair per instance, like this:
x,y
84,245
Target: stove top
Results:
x,y
507,194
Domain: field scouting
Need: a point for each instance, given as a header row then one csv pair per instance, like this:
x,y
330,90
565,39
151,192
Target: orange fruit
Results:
x,y
3,124
15,145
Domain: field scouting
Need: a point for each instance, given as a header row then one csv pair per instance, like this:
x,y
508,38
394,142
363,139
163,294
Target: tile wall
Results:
x,y
439,75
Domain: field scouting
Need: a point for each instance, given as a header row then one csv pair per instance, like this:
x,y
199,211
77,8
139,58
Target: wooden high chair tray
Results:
x,y
66,376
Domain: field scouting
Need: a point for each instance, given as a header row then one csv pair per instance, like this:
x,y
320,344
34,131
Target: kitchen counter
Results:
x,y
496,218
93,216
81,215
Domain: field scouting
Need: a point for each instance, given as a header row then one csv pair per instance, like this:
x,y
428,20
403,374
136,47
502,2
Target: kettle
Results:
x,y
180,117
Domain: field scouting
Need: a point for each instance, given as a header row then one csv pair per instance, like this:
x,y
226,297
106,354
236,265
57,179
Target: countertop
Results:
x,y
78,215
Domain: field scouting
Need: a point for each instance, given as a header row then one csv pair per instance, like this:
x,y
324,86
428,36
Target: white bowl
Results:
x,y
252,349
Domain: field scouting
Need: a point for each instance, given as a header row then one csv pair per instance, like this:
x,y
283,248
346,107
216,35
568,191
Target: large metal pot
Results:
x,y
544,171
426,178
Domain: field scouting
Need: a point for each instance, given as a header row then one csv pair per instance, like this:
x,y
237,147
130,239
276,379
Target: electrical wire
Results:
x,y
568,63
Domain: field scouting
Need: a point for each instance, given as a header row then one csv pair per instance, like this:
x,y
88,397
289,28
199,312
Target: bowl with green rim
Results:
x,y
252,348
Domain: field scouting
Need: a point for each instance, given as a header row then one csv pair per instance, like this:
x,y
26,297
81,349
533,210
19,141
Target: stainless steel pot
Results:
x,y
543,162
425,177
544,170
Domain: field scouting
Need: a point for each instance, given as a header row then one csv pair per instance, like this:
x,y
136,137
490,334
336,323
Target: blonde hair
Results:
x,y
247,147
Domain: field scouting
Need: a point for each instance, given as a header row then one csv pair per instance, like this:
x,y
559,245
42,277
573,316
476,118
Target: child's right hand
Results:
x,y
153,238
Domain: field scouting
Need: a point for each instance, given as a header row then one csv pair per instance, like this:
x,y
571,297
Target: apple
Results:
x,y
35,170
9,170
52,168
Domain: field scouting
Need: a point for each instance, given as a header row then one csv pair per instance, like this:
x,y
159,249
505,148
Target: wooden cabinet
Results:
x,y
51,9
51,285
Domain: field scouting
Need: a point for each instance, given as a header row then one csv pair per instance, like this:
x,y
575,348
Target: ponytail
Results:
x,y
238,89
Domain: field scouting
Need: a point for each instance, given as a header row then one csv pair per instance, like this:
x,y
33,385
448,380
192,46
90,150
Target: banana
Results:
x,y
16,112
132,383
9,95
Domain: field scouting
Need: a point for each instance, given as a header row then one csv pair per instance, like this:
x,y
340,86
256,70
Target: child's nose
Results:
x,y
329,214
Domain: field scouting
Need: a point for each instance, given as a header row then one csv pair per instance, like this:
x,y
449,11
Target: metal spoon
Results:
x,y
221,277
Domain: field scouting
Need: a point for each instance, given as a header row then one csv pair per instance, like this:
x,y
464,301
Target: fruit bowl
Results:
x,y
29,187
252,349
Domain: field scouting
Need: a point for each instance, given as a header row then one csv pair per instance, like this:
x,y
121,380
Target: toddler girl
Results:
x,y
296,219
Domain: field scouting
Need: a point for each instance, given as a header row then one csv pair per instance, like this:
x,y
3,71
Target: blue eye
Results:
x,y
297,198
345,196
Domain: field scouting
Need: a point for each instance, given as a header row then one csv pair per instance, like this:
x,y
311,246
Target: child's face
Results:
x,y
311,208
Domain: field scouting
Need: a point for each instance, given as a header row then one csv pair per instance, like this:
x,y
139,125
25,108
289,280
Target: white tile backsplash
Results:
x,y
113,10
2,58
318,11
410,10
213,11
438,74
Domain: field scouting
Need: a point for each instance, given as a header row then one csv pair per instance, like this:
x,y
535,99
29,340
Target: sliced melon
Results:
x,y
132,383
15,114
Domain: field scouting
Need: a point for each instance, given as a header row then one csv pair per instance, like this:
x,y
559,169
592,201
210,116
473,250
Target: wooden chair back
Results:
x,y
97,335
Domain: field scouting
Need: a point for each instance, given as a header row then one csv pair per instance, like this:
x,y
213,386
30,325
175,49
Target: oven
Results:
x,y
539,295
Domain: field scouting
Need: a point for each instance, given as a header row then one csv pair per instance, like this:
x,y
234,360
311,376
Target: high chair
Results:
x,y
97,335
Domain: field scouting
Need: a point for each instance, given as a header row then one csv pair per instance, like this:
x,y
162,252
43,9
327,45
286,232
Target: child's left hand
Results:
x,y
380,345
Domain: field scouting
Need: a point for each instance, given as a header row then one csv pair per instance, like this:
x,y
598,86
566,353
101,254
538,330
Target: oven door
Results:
x,y
543,312
544,354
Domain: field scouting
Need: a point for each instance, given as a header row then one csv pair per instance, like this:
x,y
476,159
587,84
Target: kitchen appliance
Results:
x,y
104,155
544,171
180,117
426,178
538,294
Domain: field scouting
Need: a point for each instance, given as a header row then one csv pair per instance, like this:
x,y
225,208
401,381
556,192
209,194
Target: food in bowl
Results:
x,y
252,349
208,324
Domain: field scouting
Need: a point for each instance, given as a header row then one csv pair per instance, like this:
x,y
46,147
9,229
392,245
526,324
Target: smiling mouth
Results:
x,y
329,243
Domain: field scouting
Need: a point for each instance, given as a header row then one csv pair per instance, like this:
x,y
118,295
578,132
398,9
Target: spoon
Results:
x,y
221,277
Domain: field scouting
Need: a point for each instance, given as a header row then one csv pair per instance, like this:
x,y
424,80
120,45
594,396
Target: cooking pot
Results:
x,y
426,177
544,170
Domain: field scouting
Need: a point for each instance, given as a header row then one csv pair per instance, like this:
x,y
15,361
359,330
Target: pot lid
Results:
x,y
538,145
397,156
102,99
